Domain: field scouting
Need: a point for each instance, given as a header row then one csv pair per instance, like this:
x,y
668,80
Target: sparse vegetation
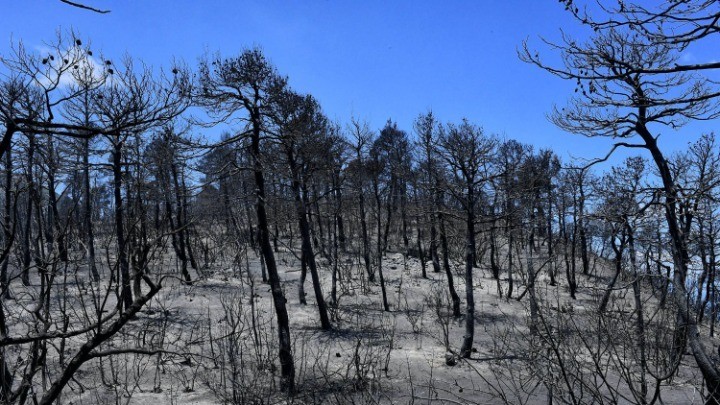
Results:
x,y
141,263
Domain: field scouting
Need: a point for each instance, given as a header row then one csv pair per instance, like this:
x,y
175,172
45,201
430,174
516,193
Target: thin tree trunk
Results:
x,y
469,336
26,259
618,249
7,228
570,261
702,252
87,214
315,205
434,244
509,232
511,245
55,231
390,208
308,254
336,259
403,218
365,238
287,365
342,239
681,259
6,378
493,260
126,298
711,269
583,235
378,201
534,309
552,265
448,272
421,252
180,229
712,290
639,315
303,276
186,222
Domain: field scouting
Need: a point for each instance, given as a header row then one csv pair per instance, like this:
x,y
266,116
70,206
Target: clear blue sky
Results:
x,y
372,59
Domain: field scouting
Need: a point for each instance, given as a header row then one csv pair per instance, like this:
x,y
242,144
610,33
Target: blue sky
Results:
x,y
371,59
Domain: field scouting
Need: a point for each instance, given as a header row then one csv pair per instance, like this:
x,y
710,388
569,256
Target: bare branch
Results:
x,y
85,7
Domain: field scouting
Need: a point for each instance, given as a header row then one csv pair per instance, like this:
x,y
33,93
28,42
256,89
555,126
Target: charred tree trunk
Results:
x,y
87,213
303,276
337,193
276,226
493,259
702,252
511,245
335,264
308,254
509,232
582,232
712,290
287,365
710,285
403,217
434,244
534,308
365,238
686,321
466,348
126,298
178,232
640,334
313,210
421,252
446,265
552,265
56,233
389,213
7,227
6,377
27,231
618,249
570,265
379,247
419,242
187,225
